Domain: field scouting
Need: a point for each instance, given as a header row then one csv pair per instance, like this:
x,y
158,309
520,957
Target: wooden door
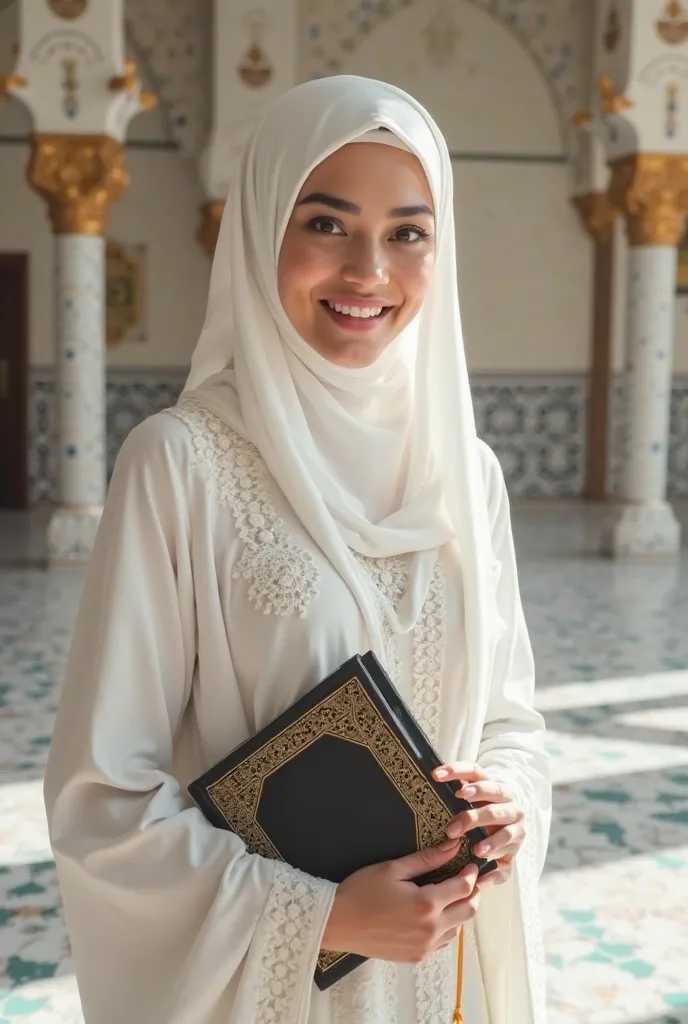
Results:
x,y
14,369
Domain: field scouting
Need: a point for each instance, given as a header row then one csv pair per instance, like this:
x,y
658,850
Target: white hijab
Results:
x,y
382,461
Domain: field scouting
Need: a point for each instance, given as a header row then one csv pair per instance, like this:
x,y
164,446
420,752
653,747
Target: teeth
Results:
x,y
362,312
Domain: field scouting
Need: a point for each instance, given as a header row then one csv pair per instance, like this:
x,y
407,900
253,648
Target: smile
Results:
x,y
358,318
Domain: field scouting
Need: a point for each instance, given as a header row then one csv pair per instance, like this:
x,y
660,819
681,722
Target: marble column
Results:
x,y
79,176
652,192
80,394
599,217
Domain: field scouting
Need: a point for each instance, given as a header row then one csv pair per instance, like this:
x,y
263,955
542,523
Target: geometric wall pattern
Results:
x,y
536,426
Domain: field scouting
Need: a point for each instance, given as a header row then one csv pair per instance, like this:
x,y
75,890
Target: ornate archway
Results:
x,y
544,28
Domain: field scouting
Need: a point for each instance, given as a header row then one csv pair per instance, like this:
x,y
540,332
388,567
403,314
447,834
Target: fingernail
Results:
x,y
482,849
441,773
455,831
469,791
449,844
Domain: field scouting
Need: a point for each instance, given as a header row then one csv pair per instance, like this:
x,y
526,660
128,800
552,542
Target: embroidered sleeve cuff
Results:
x,y
292,927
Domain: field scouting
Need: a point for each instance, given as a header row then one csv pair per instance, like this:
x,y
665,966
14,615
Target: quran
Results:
x,y
340,780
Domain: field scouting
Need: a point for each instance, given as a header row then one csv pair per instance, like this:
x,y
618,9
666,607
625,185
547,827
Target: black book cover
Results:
x,y
342,779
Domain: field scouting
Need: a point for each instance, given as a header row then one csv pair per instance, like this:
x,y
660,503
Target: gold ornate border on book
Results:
x,y
351,715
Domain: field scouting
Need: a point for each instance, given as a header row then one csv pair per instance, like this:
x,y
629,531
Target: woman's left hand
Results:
x,y
495,809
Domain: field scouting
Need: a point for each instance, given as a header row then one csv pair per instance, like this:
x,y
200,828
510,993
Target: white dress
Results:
x,y
207,610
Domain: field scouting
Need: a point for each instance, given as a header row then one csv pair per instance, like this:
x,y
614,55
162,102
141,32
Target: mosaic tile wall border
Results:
x,y
536,425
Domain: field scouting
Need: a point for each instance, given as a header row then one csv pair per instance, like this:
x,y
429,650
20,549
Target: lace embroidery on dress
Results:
x,y
389,577
433,978
282,578
428,658
366,996
285,940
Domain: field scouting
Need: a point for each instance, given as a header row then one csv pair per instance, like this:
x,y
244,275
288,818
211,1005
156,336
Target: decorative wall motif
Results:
x,y
69,9
442,33
671,110
172,39
71,44
547,28
70,88
668,74
255,68
612,29
662,71
125,293
672,25
535,425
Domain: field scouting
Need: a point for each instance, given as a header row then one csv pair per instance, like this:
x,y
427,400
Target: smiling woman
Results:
x,y
318,491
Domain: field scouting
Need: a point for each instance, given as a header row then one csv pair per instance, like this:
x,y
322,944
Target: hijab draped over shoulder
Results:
x,y
419,484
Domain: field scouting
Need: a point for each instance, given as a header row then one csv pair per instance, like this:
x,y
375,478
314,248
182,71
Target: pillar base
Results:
x,y
71,535
643,530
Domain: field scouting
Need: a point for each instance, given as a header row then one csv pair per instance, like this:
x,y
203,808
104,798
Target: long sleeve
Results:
x,y
512,751
171,920
512,745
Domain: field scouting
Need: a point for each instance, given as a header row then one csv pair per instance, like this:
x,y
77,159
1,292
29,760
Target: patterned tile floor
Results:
x,y
612,651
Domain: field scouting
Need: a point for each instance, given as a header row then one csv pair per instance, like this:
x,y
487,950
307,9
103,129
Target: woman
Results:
x,y
319,490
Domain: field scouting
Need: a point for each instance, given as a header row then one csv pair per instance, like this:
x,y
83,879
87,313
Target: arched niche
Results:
x,y
548,31
488,96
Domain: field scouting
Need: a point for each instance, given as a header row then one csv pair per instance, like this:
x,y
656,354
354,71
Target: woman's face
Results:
x,y
359,252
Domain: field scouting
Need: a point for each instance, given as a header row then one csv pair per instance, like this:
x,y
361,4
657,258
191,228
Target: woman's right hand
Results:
x,y
379,912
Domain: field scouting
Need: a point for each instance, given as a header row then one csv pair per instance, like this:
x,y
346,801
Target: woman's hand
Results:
x,y
379,912
495,809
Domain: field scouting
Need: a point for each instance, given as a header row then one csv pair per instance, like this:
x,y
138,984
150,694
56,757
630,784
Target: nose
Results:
x,y
366,265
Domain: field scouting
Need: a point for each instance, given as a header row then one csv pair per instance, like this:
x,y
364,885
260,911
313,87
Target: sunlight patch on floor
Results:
x,y
23,825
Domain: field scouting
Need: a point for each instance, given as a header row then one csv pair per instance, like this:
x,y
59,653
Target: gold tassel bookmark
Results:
x,y
458,1014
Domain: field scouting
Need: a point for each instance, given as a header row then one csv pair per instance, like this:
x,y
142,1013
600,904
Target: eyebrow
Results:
x,y
344,206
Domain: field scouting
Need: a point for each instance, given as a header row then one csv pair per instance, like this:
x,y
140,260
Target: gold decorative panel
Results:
x,y
125,292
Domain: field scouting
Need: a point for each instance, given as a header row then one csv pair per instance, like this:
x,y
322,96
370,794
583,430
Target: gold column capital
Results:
x,y
597,213
8,82
79,176
651,191
209,228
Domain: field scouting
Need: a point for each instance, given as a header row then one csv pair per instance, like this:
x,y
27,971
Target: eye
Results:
x,y
410,233
325,226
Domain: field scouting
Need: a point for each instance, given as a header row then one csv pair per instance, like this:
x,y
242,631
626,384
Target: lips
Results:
x,y
362,317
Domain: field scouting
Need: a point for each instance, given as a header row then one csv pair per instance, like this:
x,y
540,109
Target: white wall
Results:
x,y
524,270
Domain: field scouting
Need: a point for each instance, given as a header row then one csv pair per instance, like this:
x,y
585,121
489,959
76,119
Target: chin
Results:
x,y
354,354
